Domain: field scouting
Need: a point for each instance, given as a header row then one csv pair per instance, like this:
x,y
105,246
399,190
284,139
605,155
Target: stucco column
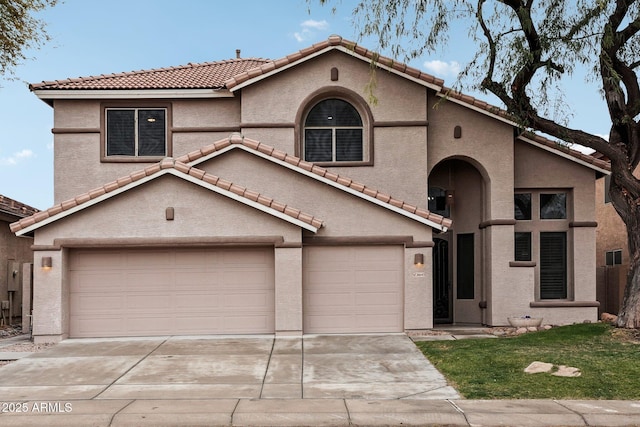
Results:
x,y
418,289
288,282
48,301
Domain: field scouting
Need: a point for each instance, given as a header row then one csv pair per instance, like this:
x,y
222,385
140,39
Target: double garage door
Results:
x,y
230,291
171,292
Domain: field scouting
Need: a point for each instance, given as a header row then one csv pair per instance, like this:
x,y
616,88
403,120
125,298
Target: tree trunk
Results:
x,y
625,200
629,316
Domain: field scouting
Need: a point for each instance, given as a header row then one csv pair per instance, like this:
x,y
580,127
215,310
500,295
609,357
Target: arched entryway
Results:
x,y
457,190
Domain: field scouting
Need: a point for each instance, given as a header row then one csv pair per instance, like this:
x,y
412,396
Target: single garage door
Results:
x,y
171,292
353,289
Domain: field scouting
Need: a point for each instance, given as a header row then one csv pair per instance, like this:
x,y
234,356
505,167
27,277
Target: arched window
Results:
x,y
333,132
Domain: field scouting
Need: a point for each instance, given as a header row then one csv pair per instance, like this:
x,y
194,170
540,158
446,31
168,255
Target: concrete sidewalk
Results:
x,y
320,412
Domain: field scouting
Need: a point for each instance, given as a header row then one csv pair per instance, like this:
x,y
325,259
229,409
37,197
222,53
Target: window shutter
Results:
x,y
121,138
151,133
553,265
523,246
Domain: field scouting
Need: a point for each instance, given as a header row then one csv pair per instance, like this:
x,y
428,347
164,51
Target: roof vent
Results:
x,y
238,53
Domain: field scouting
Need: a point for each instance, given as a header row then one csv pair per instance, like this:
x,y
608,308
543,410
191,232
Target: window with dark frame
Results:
x,y
522,206
613,257
553,265
607,185
553,206
522,246
546,243
333,132
136,132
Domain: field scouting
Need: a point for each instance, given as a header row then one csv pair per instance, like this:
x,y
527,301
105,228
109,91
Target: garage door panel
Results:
x,y
377,275
166,292
329,277
96,303
90,260
97,324
377,299
188,302
353,289
315,301
255,279
99,281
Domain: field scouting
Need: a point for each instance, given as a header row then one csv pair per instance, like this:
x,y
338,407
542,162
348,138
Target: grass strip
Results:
x,y
609,360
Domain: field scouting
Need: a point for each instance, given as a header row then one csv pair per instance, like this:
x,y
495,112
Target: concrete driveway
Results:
x,y
239,367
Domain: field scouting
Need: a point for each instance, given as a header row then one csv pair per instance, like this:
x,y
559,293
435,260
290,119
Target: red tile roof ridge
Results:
x,y
333,40
252,144
15,207
166,163
191,65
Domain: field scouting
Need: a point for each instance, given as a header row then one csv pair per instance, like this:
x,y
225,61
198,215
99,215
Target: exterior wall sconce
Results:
x,y
47,263
418,260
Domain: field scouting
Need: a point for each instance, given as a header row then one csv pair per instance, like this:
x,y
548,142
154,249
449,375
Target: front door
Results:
x,y
442,301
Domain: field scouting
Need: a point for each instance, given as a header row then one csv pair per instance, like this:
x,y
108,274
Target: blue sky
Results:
x,y
93,37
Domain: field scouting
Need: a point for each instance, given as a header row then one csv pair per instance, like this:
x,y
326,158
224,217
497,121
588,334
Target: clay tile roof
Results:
x,y
15,208
334,40
588,158
207,75
167,163
340,180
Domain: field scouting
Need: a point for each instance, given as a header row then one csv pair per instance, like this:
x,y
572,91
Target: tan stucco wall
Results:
x,y
140,213
77,166
485,143
398,100
611,233
344,214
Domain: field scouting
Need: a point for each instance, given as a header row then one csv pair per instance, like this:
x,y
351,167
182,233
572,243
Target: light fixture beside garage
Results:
x,y
418,260
47,263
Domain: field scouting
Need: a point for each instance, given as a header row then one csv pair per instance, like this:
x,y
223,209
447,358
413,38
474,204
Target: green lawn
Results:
x,y
609,359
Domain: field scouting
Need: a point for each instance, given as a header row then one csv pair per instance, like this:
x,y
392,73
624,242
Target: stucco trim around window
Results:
x,y
104,158
360,105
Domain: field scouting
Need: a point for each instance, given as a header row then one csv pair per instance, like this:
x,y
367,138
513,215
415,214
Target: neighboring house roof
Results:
x,y
318,173
208,75
180,170
14,208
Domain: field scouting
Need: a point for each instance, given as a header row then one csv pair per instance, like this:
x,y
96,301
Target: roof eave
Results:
x,y
274,212
342,49
565,155
53,94
418,218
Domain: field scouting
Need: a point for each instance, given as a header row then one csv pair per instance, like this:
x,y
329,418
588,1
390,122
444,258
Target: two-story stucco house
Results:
x,y
258,196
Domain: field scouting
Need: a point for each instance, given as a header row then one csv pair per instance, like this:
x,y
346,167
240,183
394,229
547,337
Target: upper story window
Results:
x,y
136,132
333,132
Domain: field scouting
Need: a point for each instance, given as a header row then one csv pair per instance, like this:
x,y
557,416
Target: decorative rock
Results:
x,y
538,367
532,329
567,371
521,331
547,327
609,318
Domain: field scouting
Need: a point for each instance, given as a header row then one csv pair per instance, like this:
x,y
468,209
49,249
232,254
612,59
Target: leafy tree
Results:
x,y
525,48
20,31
